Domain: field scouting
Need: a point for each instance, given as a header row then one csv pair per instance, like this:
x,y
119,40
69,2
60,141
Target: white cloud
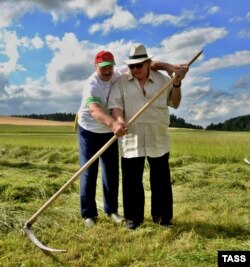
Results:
x,y
205,104
34,89
121,19
202,103
242,82
181,47
244,33
37,42
240,19
239,58
78,23
247,17
67,51
92,8
157,19
198,90
9,46
61,88
214,109
12,10
9,43
4,82
212,10
33,43
61,10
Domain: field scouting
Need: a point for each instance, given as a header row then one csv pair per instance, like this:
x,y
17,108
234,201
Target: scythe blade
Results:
x,y
32,237
247,161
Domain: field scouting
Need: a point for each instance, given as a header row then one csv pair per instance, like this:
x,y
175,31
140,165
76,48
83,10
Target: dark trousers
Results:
x,y
89,144
133,191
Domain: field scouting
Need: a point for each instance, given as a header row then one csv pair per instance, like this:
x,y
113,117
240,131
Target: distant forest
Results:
x,y
241,123
180,123
175,121
51,117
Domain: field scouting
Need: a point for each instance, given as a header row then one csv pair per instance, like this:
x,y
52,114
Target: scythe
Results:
x,y
247,161
28,225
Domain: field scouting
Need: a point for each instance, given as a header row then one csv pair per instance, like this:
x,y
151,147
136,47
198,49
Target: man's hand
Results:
x,y
177,70
117,125
119,128
180,72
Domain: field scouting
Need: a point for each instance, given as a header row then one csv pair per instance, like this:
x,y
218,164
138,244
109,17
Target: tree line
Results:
x,y
241,123
175,121
51,117
181,123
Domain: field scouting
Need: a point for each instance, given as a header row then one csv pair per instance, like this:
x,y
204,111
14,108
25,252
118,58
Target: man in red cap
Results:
x,y
95,128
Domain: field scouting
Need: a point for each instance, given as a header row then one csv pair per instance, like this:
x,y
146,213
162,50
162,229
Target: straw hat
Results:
x,y
138,53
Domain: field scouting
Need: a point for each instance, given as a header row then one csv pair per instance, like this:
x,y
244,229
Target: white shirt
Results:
x,y
95,91
148,135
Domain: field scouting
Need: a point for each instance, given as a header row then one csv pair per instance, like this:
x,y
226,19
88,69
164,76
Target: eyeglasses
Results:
x,y
138,66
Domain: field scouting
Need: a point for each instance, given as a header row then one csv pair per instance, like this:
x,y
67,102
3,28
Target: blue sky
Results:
x,y
47,49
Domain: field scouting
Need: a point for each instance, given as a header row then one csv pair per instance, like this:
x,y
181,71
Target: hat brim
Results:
x,y
106,63
137,60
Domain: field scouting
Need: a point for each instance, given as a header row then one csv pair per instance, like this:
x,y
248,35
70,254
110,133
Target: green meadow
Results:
x,y
211,202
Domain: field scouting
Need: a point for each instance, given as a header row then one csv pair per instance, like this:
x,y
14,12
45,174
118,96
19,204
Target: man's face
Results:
x,y
140,70
105,73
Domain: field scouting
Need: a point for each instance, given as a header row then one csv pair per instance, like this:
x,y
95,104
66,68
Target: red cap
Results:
x,y
104,58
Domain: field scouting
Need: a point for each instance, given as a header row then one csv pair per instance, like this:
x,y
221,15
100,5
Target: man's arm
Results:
x,y
169,68
175,94
118,127
118,115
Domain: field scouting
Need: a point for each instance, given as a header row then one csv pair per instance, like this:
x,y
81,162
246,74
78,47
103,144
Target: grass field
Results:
x,y
211,202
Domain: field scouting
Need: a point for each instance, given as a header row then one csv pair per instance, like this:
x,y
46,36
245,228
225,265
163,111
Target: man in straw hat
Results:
x,y
146,137
95,128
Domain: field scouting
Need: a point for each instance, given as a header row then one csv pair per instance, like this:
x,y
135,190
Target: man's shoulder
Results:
x,y
122,76
93,78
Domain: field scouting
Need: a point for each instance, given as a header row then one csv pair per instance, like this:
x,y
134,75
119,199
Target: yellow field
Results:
x,y
28,121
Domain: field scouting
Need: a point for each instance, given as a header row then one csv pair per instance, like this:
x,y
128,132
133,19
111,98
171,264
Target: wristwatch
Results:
x,y
177,86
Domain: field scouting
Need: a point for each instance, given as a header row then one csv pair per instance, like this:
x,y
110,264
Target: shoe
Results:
x,y
163,222
167,224
132,225
90,222
116,217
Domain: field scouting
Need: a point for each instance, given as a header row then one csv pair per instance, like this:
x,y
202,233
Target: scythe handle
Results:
x,y
31,221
